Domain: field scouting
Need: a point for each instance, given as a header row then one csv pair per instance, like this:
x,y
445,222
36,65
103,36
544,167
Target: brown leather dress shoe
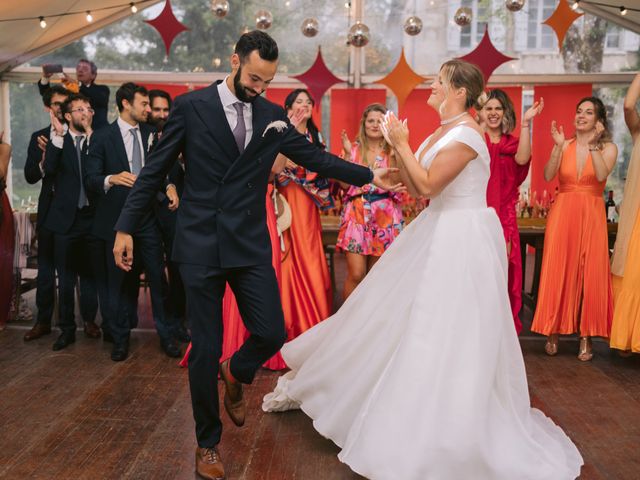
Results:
x,y
208,464
37,331
233,400
91,330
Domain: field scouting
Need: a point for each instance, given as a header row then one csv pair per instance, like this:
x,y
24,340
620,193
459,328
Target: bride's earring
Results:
x,y
585,354
551,347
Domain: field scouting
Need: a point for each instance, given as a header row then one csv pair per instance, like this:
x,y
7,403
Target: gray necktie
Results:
x,y
240,131
136,155
82,198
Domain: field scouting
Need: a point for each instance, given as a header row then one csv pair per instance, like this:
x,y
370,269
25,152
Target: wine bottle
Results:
x,y
611,208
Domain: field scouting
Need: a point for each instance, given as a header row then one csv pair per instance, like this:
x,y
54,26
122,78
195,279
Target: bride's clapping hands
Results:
x,y
395,132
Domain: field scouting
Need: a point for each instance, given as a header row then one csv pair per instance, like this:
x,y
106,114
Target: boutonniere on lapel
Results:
x,y
150,141
278,125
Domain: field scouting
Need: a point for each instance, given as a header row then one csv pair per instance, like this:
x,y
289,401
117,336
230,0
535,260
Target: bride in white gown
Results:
x,y
420,376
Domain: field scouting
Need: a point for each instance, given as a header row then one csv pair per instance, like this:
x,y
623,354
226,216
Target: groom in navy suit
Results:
x,y
229,137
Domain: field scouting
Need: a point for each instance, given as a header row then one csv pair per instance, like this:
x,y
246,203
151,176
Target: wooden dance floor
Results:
x,y
75,414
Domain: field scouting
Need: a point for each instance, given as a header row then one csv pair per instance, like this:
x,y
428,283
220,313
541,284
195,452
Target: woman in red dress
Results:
x,y
510,158
6,237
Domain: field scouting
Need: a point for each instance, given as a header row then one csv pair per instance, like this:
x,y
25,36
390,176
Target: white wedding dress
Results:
x,y
420,376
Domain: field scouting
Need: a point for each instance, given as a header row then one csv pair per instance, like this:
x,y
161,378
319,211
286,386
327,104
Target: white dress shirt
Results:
x,y
228,99
127,138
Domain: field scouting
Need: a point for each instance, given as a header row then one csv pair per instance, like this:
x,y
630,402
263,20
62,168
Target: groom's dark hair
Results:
x,y
257,40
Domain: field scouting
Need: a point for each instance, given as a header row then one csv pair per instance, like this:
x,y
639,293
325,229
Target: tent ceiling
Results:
x,y
611,13
22,40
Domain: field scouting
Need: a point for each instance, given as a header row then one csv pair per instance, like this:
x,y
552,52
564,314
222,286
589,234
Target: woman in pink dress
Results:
x,y
510,158
371,218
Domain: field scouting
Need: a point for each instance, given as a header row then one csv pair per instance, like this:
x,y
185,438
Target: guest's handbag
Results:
x,y
283,214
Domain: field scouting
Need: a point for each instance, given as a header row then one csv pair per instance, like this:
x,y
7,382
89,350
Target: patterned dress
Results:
x,y
371,218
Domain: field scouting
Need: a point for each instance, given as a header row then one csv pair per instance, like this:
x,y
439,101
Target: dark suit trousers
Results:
x,y
258,297
46,280
167,223
124,286
73,251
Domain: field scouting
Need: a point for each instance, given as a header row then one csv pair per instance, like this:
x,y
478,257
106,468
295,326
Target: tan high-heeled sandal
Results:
x,y
551,347
585,353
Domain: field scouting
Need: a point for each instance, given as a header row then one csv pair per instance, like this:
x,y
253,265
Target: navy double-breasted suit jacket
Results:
x,y
222,215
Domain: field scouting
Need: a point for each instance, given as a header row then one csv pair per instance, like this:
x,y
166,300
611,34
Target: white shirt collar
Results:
x,y
125,126
227,97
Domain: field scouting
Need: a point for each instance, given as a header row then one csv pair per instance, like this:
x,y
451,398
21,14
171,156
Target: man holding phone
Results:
x,y
86,73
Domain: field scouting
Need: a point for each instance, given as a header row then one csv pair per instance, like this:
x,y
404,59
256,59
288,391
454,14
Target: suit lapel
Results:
x,y
211,112
118,143
259,121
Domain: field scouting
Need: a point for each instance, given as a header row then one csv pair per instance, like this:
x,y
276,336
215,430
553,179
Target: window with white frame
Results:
x,y
540,36
480,11
612,38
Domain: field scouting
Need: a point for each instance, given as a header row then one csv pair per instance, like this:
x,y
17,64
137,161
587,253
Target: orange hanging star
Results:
x,y
486,56
561,19
318,78
167,25
401,80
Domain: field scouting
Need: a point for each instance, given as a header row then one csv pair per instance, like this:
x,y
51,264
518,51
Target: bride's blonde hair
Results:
x,y
460,74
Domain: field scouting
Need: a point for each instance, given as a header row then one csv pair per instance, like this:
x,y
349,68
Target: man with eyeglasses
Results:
x,y
53,100
70,217
98,95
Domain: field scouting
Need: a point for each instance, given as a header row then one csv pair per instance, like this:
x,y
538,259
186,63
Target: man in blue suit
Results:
x,y
229,137
116,155
53,100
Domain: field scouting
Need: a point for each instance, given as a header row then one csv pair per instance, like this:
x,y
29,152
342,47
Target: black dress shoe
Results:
x,y
182,335
170,348
120,352
63,341
106,336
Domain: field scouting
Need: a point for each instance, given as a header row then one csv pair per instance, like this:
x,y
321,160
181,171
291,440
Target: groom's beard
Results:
x,y
243,93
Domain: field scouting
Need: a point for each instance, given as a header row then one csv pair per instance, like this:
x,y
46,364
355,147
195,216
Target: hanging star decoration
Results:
x,y
561,19
318,79
167,25
402,80
486,56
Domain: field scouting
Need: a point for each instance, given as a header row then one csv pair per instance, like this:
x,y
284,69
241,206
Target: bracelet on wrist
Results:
x,y
594,149
524,125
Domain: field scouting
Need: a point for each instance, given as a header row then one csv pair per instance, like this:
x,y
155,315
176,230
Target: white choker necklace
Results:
x,y
452,119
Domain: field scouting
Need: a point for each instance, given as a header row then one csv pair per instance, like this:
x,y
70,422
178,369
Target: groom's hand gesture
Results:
x,y
123,251
383,178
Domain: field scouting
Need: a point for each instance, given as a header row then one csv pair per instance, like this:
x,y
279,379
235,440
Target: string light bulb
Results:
x,y
576,5
134,9
623,11
43,23
89,17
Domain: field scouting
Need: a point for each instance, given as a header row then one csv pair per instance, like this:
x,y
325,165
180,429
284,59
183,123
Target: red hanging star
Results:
x,y
561,19
486,56
402,79
167,25
318,78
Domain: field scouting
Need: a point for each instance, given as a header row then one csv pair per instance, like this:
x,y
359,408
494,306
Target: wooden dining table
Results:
x,y
531,236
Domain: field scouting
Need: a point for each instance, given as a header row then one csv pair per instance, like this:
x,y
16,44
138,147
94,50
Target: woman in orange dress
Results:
x,y
306,285
625,263
575,284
